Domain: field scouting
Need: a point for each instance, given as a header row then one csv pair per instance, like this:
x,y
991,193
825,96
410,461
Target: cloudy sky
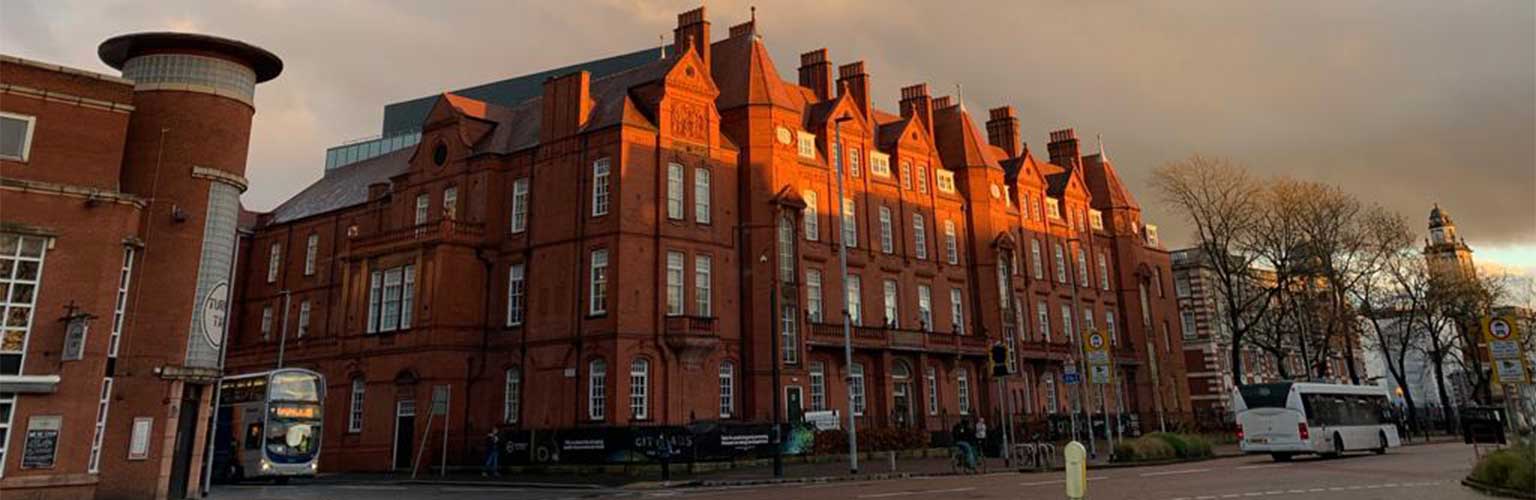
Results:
x,y
1405,102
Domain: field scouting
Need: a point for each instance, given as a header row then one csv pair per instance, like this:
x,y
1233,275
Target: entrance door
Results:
x,y
903,403
792,405
405,432
186,434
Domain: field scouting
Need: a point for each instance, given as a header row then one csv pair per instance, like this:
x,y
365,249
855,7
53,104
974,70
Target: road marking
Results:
x,y
368,487
1173,472
1058,481
461,489
906,493
1263,466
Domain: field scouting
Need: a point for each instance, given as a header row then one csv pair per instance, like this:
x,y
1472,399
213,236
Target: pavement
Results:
x,y
1426,472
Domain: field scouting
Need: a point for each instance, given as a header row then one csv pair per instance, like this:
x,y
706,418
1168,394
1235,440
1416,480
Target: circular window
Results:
x,y
440,154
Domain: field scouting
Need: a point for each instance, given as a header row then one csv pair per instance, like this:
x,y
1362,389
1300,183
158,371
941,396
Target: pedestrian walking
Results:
x,y
492,455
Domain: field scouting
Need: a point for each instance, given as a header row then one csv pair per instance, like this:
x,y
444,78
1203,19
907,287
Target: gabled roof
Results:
x,y
960,142
1105,185
1024,168
745,74
342,187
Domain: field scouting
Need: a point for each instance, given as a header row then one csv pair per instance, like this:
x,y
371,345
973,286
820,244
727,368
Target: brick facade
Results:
x,y
107,220
717,109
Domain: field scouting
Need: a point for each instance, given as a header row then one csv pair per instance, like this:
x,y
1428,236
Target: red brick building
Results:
x,y
601,245
118,206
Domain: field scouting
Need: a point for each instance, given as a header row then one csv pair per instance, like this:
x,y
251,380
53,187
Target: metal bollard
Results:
x,y
893,460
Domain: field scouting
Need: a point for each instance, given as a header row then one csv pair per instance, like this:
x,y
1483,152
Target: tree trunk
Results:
x,y
1349,362
1445,398
1237,362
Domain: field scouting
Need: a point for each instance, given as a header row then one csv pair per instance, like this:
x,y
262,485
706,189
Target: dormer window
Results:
x,y
1152,235
1052,208
946,181
807,145
880,163
1096,219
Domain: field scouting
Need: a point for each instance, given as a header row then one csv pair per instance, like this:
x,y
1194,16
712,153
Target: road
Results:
x,y
1428,472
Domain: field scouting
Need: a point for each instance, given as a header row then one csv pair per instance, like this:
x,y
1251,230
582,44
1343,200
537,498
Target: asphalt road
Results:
x,y
1428,472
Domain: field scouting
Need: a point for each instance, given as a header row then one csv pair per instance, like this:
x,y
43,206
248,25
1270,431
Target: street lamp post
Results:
x,y
842,264
1077,339
282,337
778,357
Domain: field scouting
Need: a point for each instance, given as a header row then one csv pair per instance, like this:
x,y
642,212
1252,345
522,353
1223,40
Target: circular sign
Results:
x,y
1499,329
784,136
215,309
1095,340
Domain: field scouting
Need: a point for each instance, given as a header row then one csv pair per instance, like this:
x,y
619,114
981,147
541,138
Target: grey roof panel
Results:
x,y
408,115
342,187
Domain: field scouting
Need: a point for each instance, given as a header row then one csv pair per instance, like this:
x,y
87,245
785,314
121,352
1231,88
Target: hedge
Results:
x,y
1162,446
1513,468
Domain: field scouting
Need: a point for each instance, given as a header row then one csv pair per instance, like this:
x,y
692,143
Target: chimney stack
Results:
x,y
567,104
1063,147
816,73
853,79
915,102
1003,130
692,30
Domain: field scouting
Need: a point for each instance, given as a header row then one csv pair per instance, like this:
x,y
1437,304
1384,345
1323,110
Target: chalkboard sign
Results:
x,y
42,442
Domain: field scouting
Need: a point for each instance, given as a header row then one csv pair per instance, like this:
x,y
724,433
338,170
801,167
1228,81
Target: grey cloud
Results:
x,y
1404,102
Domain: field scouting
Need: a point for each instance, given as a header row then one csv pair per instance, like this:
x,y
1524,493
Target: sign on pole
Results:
x,y
1502,333
1069,374
1099,371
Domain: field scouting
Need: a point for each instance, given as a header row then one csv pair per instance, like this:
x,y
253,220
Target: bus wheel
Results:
x,y
1281,457
280,480
235,474
1338,445
1382,448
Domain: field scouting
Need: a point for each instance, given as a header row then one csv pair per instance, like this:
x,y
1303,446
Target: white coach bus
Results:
x,y
1293,418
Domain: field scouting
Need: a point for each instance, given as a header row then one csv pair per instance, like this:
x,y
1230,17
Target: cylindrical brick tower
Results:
x,y
188,136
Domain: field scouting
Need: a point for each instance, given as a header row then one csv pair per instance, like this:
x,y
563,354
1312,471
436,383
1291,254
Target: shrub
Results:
x,y
1513,468
1197,446
1175,441
1143,449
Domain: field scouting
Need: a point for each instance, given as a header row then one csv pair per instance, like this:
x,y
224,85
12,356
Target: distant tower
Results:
x,y
1445,251
188,137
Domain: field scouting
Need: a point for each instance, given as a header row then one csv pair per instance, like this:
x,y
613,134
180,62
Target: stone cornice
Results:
x,y
216,175
56,189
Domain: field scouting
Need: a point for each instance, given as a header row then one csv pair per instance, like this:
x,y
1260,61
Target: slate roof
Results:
x,y
342,187
408,115
1104,184
960,142
745,74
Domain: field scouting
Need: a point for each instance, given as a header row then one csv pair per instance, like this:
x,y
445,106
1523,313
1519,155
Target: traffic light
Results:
x,y
998,360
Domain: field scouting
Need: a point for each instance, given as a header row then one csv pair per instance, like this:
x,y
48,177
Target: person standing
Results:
x,y
492,455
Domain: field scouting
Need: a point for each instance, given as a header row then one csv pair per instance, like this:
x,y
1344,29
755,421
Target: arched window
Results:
x,y
963,390
786,249
856,388
512,396
1048,386
597,389
639,388
727,389
355,414
812,216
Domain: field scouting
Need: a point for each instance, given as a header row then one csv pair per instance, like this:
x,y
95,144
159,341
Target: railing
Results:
x,y
443,231
900,339
691,325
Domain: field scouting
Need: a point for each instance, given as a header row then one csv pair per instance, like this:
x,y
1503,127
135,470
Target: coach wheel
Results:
x,y
1381,448
1338,445
281,480
1281,457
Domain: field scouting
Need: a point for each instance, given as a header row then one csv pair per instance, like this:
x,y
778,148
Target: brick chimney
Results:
x,y
566,104
1003,130
853,79
816,73
1063,147
692,29
915,101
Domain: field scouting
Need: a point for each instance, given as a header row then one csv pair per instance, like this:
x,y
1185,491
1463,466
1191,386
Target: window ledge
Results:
x,y
30,384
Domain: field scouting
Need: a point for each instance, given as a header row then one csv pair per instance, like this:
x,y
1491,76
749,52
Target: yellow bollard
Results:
x,y
1076,460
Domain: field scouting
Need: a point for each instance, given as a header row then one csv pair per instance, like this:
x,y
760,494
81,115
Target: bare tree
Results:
x,y
1388,299
1222,201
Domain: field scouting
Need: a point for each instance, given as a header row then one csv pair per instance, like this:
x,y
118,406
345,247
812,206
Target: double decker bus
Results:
x,y
1290,418
268,425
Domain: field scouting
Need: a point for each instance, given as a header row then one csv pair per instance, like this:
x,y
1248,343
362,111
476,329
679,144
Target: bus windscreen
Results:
x,y
294,386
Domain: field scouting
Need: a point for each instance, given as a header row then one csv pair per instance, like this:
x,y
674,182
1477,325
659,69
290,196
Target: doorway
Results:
x,y
901,392
405,433
792,403
186,435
